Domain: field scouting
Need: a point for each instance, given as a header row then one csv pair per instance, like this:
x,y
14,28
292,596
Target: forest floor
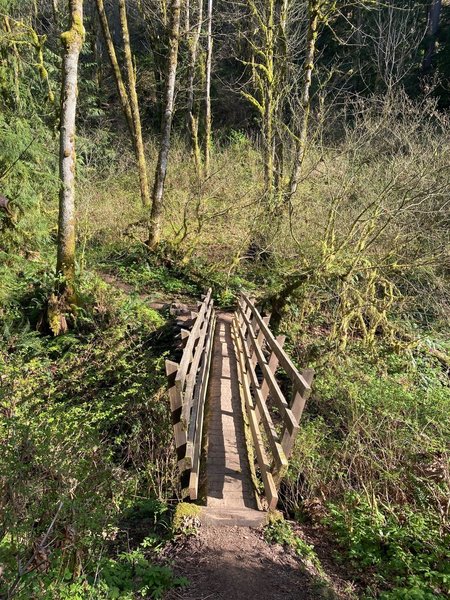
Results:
x,y
236,563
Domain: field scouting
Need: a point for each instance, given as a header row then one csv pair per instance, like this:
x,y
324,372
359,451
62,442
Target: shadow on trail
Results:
x,y
245,567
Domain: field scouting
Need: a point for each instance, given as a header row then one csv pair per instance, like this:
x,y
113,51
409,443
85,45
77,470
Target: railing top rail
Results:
x,y
191,379
285,362
188,351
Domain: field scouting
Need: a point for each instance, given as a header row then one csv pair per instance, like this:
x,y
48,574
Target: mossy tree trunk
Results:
x,y
72,41
268,67
166,127
128,97
308,67
208,118
120,85
134,104
191,118
14,57
55,9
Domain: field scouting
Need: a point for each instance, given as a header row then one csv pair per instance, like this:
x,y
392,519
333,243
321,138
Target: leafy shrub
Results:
x,y
126,577
132,574
406,547
372,455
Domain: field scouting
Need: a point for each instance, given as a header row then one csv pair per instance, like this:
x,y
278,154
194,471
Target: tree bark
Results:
x,y
72,41
313,10
55,9
434,17
187,16
121,89
269,117
166,127
15,59
134,104
191,120
208,118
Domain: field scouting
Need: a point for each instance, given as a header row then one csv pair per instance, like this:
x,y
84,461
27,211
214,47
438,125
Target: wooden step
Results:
x,y
233,517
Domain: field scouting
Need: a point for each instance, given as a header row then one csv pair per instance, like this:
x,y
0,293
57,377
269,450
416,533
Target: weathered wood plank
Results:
x,y
174,396
273,365
199,408
298,399
188,351
248,313
280,459
260,339
284,360
277,395
298,405
192,376
175,400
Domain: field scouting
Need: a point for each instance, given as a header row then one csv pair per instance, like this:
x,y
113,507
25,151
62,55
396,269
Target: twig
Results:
x,y
12,589
12,165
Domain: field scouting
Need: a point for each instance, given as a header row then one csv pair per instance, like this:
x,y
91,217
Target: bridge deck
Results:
x,y
229,484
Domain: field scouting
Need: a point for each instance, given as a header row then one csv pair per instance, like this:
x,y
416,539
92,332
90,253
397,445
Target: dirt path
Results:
x,y
127,288
235,563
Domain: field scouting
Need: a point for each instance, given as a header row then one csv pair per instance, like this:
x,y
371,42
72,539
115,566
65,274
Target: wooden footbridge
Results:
x,y
236,400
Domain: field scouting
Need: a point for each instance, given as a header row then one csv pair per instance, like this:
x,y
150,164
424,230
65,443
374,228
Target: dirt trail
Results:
x,y
127,288
235,563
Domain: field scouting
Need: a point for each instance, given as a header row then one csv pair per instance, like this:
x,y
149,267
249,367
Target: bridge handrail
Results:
x,y
253,340
188,383
286,363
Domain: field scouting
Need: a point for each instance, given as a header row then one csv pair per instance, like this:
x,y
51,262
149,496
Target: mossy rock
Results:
x,y
186,519
274,516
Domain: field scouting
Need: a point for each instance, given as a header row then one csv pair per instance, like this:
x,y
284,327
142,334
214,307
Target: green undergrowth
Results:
x,y
129,568
401,545
147,273
86,433
371,462
166,274
280,531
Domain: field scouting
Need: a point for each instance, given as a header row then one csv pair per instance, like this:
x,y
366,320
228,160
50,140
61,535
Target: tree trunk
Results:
x,y
134,104
187,17
434,16
166,127
128,98
55,9
313,10
121,90
191,120
72,41
208,119
15,59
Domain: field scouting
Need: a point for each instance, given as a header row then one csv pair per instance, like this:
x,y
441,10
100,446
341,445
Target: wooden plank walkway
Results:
x,y
229,484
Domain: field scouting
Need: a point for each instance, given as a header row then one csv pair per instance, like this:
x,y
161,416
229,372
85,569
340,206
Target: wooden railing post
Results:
x,y
273,365
176,404
260,339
